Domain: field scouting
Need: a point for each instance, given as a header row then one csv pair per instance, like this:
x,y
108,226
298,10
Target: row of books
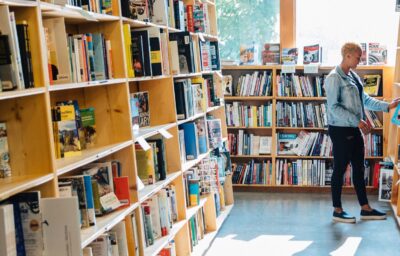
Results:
x,y
197,228
152,162
303,172
159,213
373,144
255,84
301,114
291,85
240,114
304,144
373,119
76,58
97,6
252,173
74,128
5,168
242,143
16,70
174,14
100,189
190,97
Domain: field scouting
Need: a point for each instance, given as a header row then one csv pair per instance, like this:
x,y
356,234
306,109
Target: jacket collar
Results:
x,y
344,76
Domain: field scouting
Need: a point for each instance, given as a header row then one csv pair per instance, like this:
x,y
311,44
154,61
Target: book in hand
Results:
x,y
271,54
312,54
371,84
5,168
377,54
289,56
140,109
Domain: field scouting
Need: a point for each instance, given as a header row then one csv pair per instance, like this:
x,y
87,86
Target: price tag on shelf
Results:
x,y
143,143
288,69
165,133
311,69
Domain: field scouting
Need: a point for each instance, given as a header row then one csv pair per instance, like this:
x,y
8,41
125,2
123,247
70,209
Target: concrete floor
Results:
x,y
301,224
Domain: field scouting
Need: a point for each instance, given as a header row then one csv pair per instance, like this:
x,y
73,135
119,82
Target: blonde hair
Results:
x,y
349,48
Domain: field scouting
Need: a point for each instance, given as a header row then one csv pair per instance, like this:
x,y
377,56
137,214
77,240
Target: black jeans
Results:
x,y
348,146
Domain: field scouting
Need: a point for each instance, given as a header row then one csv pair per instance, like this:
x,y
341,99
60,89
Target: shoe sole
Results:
x,y
336,219
373,217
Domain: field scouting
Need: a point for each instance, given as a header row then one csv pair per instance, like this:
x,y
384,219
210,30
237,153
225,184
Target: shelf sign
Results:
x,y
311,69
143,143
165,133
288,69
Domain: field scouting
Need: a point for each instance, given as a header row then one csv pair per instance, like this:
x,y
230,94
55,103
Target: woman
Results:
x,y
346,119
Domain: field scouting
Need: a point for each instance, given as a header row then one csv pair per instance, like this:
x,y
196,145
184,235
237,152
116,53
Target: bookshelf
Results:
x,y
276,99
394,140
30,131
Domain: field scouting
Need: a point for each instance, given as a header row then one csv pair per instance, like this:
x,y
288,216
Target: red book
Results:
x,y
375,178
190,20
121,189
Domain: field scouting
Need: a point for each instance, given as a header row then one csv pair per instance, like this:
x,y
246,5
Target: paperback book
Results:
x,y
371,84
271,54
289,56
5,168
140,109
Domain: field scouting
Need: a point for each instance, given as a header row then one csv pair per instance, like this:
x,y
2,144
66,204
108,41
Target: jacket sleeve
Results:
x,y
337,110
374,104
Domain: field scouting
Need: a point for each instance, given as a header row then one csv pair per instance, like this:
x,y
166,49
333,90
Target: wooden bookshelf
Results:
x,y
27,113
386,73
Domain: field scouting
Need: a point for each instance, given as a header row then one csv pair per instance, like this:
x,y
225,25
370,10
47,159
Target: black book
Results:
x,y
7,76
146,49
185,51
161,158
25,52
137,55
180,100
156,66
214,51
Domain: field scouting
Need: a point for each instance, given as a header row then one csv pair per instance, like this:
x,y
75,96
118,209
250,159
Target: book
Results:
x,y
145,165
265,145
377,54
5,168
271,54
61,226
312,54
248,54
25,52
120,231
286,143
88,134
140,105
289,56
8,245
227,85
385,184
371,84
214,133
363,59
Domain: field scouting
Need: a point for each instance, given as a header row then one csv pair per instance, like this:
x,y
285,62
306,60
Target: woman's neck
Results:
x,y
345,68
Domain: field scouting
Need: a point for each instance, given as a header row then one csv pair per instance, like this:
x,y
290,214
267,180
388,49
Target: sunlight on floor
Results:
x,y
273,245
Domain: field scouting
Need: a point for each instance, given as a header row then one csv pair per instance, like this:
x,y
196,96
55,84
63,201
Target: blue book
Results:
x,y
98,54
201,135
87,179
191,140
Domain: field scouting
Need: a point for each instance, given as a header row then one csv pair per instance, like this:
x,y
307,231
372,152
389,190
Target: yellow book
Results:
x,y
371,84
68,138
145,165
254,110
128,52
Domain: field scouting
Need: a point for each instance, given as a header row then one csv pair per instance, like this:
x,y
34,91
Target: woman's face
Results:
x,y
353,59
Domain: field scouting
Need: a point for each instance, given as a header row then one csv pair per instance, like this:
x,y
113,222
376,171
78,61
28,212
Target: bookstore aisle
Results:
x,y
281,224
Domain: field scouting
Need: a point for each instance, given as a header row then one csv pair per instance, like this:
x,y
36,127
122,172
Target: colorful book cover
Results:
x,y
271,54
289,56
371,84
214,133
5,168
248,54
201,135
145,165
88,130
140,105
286,143
312,54
377,54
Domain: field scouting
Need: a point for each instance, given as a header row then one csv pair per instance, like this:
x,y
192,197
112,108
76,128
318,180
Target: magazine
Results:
x,y
248,54
377,54
286,143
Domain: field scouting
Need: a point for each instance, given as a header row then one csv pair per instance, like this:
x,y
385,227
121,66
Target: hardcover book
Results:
x,y
371,84
377,54
5,168
289,56
140,105
312,54
271,54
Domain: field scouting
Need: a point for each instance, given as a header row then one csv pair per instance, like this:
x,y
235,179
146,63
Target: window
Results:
x,y
244,22
331,23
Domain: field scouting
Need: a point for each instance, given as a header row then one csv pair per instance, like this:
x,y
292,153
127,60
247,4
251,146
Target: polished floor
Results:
x,y
300,224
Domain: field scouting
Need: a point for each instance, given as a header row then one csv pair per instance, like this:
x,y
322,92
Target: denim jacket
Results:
x,y
344,105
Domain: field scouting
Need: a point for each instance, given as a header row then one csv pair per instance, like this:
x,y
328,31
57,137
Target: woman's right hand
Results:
x,y
364,127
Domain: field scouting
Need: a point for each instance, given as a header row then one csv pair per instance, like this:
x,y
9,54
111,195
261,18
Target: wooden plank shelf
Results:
x,y
247,98
70,86
147,132
16,184
150,190
22,93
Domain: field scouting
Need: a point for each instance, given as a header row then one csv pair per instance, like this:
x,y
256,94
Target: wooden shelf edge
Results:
x,y
151,131
104,224
394,208
65,165
254,98
187,75
18,184
205,243
69,86
22,93
248,128
189,164
251,156
19,3
148,78
160,243
150,190
299,67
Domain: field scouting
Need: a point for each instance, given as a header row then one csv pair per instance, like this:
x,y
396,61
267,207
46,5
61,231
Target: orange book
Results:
x,y
121,189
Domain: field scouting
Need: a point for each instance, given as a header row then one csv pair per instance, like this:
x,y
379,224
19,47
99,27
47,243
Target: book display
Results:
x,y
278,138
112,128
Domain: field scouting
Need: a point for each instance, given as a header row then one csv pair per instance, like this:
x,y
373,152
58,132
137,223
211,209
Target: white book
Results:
x,y
155,216
62,233
265,145
101,246
160,12
164,53
120,231
8,27
173,49
7,231
135,233
58,49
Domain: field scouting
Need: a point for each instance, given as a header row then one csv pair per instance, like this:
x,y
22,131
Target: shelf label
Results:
x,y
165,133
143,143
288,69
311,69
201,37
